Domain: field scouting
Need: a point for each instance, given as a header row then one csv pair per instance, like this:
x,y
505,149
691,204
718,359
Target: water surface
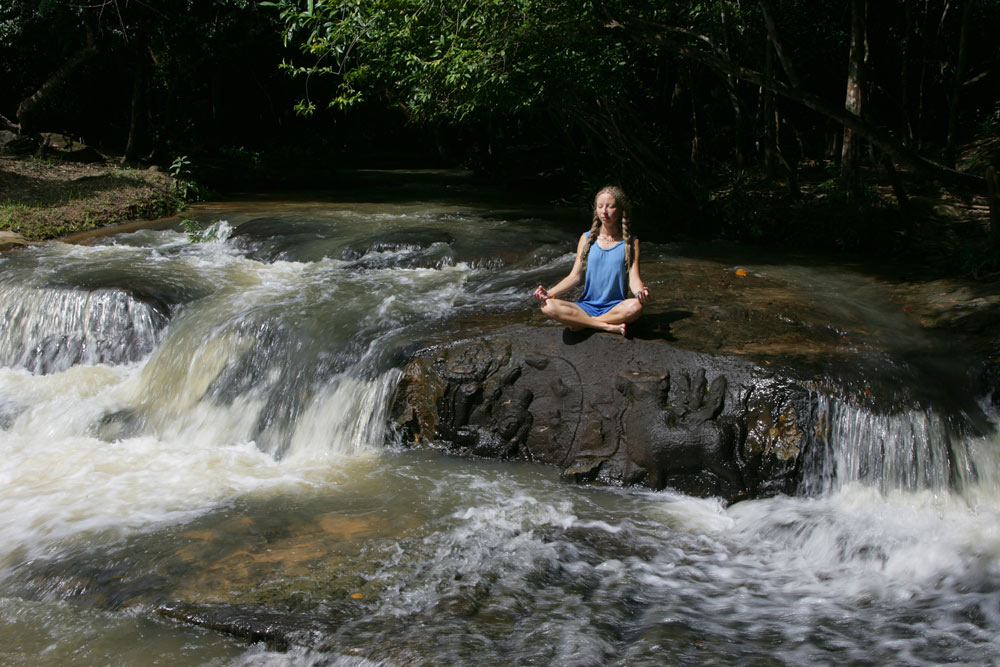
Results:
x,y
201,426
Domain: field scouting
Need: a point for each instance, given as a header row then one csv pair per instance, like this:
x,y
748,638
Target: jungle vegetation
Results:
x,y
848,124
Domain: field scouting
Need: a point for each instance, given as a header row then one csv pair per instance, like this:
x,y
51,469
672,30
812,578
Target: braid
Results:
x,y
595,228
629,250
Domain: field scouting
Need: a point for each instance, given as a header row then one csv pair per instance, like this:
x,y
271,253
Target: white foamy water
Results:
x,y
239,458
59,483
258,384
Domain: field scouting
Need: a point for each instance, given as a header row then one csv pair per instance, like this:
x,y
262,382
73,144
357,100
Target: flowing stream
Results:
x,y
203,426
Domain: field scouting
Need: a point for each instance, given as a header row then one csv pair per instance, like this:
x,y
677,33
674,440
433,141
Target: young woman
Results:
x,y
608,257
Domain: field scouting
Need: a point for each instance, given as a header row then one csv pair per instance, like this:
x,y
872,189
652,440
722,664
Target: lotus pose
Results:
x,y
607,257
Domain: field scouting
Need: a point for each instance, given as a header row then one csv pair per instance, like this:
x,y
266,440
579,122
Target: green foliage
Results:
x,y
185,187
195,232
441,59
180,167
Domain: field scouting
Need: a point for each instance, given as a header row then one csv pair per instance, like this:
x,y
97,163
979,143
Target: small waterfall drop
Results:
x,y
47,330
912,450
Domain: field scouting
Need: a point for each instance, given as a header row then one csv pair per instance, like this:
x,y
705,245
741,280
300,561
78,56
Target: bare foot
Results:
x,y
618,329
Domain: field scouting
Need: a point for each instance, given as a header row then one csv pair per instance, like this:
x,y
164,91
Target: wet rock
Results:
x,y
610,411
414,237
270,238
278,630
10,240
416,247
118,425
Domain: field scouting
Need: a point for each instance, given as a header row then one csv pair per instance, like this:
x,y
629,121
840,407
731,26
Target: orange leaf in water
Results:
x,y
741,273
357,596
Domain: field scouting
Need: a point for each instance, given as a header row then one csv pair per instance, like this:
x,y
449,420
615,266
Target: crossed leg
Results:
x,y
576,318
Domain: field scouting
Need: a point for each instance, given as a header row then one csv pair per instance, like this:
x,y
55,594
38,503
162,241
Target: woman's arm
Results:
x,y
634,281
570,281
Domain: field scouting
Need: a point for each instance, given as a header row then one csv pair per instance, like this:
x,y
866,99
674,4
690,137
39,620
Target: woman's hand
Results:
x,y
643,295
542,294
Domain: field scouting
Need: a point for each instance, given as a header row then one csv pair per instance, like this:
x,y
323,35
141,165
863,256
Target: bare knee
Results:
x,y
633,309
549,308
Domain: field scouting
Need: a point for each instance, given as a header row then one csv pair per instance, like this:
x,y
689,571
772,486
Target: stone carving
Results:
x,y
607,411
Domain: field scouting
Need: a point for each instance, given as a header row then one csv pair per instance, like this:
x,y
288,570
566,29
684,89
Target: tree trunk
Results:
x,y
772,32
29,105
953,106
770,135
850,155
897,188
905,128
696,162
791,158
931,43
138,117
743,142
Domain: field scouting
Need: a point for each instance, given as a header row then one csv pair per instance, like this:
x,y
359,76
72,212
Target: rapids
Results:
x,y
203,426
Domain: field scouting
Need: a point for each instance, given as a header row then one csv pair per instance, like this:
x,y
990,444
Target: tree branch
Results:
x,y
30,103
772,33
6,124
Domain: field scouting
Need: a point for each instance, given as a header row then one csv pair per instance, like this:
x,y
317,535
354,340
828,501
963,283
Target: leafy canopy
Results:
x,y
446,59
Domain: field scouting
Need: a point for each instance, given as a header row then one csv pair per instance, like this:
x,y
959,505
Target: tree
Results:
x,y
146,66
612,69
857,62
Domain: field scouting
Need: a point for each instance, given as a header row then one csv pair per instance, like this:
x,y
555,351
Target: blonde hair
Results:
x,y
595,226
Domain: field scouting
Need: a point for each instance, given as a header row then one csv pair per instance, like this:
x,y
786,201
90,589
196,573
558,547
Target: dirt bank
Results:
x,y
44,198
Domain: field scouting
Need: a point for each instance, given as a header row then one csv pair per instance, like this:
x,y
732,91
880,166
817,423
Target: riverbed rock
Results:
x,y
609,410
9,240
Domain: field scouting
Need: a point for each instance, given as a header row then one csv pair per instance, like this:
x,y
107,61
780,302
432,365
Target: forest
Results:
x,y
865,127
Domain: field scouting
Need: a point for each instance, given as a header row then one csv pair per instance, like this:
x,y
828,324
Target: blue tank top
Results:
x,y
604,285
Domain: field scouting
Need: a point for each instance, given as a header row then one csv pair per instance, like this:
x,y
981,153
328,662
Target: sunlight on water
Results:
x,y
210,427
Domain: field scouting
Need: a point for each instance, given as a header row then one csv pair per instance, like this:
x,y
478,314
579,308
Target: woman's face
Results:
x,y
608,211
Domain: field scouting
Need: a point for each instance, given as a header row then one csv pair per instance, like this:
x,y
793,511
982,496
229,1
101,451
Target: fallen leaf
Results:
x,y
741,273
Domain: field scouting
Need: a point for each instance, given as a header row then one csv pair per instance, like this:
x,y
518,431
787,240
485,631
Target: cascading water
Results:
x,y
909,450
50,329
201,425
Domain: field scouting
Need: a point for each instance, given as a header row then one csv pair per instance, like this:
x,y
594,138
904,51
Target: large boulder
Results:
x,y
610,410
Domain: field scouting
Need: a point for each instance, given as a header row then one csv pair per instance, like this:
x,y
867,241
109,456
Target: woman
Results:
x,y
608,256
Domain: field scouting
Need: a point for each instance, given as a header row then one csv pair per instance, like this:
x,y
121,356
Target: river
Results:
x,y
198,429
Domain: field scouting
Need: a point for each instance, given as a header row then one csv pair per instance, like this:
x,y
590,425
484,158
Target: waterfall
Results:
x,y
47,330
910,450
